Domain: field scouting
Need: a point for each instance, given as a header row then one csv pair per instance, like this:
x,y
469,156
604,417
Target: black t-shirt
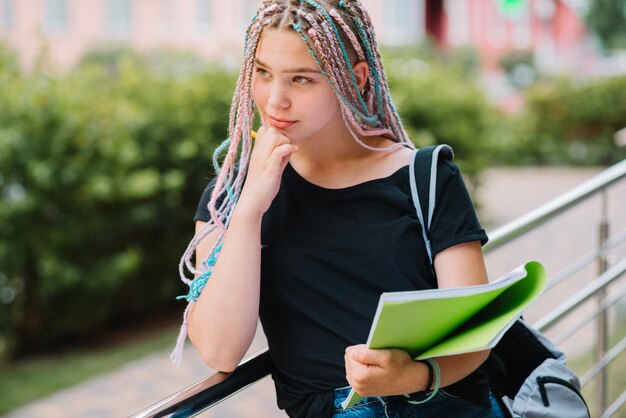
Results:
x,y
327,256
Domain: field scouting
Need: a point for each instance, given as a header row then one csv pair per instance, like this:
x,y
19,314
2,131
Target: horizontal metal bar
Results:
x,y
544,213
584,261
581,296
610,355
615,406
219,386
573,268
212,390
615,240
587,318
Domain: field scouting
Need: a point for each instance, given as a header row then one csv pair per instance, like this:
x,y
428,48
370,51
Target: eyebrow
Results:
x,y
289,70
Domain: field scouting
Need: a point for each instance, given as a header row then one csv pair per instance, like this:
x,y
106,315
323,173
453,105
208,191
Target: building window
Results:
x,y
55,19
203,16
118,18
404,21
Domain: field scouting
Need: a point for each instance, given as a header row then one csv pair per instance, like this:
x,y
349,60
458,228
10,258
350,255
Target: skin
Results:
x,y
303,126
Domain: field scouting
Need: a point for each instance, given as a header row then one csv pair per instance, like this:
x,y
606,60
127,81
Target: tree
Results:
x,y
607,19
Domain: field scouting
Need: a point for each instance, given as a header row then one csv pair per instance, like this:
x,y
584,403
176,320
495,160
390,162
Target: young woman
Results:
x,y
306,226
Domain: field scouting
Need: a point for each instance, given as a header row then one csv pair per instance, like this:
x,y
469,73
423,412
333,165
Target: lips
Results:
x,y
280,123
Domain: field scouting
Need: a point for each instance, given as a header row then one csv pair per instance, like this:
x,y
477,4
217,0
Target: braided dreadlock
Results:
x,y
338,34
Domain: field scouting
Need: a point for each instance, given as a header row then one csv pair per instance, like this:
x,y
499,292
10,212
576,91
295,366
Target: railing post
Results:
x,y
602,324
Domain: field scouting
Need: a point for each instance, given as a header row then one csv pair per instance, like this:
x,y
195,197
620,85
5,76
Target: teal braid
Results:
x,y
218,168
378,78
329,19
245,41
217,152
371,60
370,119
197,285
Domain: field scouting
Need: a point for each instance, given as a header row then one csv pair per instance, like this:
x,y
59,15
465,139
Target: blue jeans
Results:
x,y
442,405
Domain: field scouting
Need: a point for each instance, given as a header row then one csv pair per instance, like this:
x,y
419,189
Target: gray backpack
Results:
x,y
526,371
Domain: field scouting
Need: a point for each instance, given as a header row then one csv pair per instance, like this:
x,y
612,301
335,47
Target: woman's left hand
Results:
x,y
383,372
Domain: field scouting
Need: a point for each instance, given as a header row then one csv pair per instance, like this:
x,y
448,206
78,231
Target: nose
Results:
x,y
278,98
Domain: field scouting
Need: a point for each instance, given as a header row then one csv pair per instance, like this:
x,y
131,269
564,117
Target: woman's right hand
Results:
x,y
270,154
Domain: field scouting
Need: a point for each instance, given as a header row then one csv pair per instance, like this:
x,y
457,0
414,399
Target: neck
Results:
x,y
345,163
334,148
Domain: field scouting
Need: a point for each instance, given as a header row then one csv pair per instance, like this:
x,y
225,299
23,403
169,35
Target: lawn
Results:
x,y
29,379
33,378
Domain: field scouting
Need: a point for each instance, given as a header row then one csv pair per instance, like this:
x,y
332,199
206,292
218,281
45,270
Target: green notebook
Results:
x,y
443,322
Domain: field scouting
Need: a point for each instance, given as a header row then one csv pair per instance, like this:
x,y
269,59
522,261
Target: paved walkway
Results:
x,y
144,382
505,195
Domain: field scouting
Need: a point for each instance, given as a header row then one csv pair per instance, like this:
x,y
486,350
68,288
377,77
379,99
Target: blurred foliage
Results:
x,y
519,67
566,121
463,61
607,19
101,169
100,173
440,103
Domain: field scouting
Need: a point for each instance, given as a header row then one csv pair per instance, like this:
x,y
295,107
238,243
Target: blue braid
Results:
x,y
371,119
245,42
343,50
370,59
217,152
197,285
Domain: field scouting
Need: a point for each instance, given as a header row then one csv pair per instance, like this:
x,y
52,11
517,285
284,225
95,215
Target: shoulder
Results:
x,y
394,161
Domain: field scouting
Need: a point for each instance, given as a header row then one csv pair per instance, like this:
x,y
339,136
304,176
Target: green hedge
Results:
x,y
100,175
101,170
567,122
443,105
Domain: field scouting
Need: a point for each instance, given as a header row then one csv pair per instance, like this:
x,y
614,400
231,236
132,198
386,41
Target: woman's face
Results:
x,y
289,90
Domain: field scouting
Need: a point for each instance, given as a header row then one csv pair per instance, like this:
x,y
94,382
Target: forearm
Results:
x,y
223,321
457,367
452,368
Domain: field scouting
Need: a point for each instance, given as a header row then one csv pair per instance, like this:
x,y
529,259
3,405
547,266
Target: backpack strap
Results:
x,y
423,181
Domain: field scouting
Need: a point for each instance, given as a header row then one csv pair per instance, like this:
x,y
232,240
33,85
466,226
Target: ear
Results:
x,y
361,71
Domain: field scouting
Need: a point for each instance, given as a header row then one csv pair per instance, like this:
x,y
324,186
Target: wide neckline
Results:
x,y
342,191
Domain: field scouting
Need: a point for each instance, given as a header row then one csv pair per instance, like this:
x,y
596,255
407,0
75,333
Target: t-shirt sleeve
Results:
x,y
202,212
454,219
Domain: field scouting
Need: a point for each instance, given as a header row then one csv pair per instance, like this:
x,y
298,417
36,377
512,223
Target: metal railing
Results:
x,y
219,386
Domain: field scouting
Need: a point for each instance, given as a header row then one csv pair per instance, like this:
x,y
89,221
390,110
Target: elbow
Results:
x,y
221,362
216,357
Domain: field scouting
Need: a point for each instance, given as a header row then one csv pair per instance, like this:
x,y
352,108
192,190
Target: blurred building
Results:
x,y
552,30
65,29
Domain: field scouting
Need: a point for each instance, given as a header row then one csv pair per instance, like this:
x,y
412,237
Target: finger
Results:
x,y
270,140
261,135
287,158
280,138
347,361
282,153
365,355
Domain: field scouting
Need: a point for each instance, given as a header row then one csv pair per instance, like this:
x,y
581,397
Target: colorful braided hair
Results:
x,y
338,34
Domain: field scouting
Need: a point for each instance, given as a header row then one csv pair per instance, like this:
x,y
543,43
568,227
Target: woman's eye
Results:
x,y
301,80
262,72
